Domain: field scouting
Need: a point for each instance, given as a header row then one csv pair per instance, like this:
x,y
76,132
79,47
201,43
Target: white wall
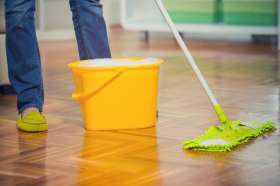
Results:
x,y
111,10
54,18
4,80
57,15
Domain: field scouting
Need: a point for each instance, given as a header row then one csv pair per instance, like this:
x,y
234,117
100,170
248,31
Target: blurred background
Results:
x,y
241,21
202,18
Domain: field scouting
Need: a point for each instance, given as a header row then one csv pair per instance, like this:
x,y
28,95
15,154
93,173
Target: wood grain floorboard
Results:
x,y
245,78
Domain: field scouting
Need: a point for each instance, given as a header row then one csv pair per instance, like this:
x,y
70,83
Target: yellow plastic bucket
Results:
x,y
117,93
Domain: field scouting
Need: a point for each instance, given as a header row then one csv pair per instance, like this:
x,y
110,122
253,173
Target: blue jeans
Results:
x,y
23,54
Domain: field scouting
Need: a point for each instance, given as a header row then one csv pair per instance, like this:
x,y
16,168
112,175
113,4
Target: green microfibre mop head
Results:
x,y
227,136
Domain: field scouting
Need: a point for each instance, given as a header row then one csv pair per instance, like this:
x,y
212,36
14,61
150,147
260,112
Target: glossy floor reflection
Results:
x,y
243,76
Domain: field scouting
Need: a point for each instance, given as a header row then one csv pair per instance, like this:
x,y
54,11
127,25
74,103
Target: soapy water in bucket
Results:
x,y
118,62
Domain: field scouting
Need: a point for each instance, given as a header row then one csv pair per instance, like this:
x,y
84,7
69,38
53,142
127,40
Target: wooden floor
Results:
x,y
243,76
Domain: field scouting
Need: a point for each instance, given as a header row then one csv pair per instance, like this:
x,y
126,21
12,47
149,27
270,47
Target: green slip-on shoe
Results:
x,y
32,122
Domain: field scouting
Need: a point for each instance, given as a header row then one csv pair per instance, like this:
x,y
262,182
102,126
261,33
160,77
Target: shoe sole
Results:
x,y
27,127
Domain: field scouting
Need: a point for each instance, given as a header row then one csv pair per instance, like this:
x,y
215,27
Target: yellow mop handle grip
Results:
x,y
221,114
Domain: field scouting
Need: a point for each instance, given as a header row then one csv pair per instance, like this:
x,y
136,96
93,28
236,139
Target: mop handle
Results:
x,y
192,62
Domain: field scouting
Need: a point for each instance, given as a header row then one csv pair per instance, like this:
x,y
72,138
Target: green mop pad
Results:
x,y
227,136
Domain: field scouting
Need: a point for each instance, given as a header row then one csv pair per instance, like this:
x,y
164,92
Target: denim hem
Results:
x,y
28,106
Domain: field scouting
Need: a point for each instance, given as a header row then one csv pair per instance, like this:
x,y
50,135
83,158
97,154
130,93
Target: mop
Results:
x,y
229,134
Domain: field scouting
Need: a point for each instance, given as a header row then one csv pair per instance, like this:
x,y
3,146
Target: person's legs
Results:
x,y
90,29
24,63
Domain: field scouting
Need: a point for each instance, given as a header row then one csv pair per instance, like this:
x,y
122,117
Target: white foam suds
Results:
x,y
118,62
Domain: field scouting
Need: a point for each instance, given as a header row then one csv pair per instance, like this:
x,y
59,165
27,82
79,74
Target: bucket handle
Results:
x,y
81,96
